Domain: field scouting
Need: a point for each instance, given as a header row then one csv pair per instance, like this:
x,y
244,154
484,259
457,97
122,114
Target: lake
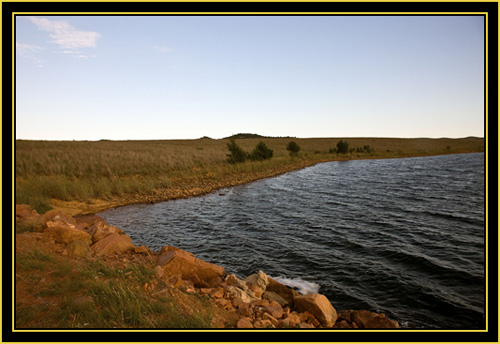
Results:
x,y
405,237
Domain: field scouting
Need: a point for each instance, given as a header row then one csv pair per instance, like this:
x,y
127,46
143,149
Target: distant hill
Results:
x,y
245,136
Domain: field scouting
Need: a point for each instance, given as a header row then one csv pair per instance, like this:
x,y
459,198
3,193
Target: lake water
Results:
x,y
401,236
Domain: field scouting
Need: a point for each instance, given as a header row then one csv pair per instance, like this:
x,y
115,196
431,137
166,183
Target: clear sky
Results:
x,y
184,77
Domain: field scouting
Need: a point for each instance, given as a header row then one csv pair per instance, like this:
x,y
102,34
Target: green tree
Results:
x,y
293,148
237,154
261,152
342,147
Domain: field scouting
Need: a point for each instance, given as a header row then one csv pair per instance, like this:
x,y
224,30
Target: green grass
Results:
x,y
112,296
86,170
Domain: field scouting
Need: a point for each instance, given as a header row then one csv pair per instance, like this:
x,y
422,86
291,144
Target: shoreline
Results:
x,y
199,187
346,317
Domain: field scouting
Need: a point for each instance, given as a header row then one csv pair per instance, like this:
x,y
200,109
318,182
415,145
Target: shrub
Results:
x,y
293,148
237,154
342,147
261,152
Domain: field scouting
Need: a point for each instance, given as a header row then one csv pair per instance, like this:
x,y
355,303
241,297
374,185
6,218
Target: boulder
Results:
x,y
100,230
293,320
319,306
263,324
113,244
54,218
259,279
235,292
26,216
367,319
24,210
282,290
274,309
66,235
85,221
175,261
245,322
272,296
272,319
78,248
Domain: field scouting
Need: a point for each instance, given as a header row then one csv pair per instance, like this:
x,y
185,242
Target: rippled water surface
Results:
x,y
401,236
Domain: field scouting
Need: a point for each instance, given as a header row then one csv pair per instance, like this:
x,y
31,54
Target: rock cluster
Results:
x,y
258,300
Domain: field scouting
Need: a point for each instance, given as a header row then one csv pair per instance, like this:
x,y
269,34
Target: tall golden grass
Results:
x,y
87,170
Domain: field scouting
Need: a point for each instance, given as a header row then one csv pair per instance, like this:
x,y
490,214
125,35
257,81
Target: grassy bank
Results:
x,y
53,291
88,176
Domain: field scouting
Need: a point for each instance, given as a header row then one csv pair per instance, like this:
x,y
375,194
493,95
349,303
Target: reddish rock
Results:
x,y
306,316
235,292
272,296
217,293
113,244
305,325
245,322
274,309
175,261
100,230
78,248
284,323
367,319
85,221
319,306
237,301
294,319
273,320
66,235
342,324
282,290
260,302
54,218
215,282
26,216
345,314
259,280
263,324
245,309
256,290
141,249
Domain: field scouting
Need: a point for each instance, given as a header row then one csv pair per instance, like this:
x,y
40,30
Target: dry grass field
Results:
x,y
112,173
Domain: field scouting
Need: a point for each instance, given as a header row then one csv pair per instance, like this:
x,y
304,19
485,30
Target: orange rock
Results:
x,y
294,319
141,249
256,290
175,261
274,309
282,290
273,320
367,319
272,296
263,324
113,244
100,230
245,322
26,216
54,218
66,235
217,293
237,301
319,306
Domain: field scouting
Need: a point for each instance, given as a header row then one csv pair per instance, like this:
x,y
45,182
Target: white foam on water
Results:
x,y
303,287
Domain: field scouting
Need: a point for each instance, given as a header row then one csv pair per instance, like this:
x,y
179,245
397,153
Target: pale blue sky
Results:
x,y
184,77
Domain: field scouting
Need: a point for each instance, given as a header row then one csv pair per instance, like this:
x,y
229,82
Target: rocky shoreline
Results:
x,y
256,301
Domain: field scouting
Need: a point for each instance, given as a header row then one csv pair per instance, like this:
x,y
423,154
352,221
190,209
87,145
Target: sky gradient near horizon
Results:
x,y
184,77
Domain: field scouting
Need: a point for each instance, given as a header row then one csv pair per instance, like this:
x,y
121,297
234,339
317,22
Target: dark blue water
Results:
x,y
401,236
